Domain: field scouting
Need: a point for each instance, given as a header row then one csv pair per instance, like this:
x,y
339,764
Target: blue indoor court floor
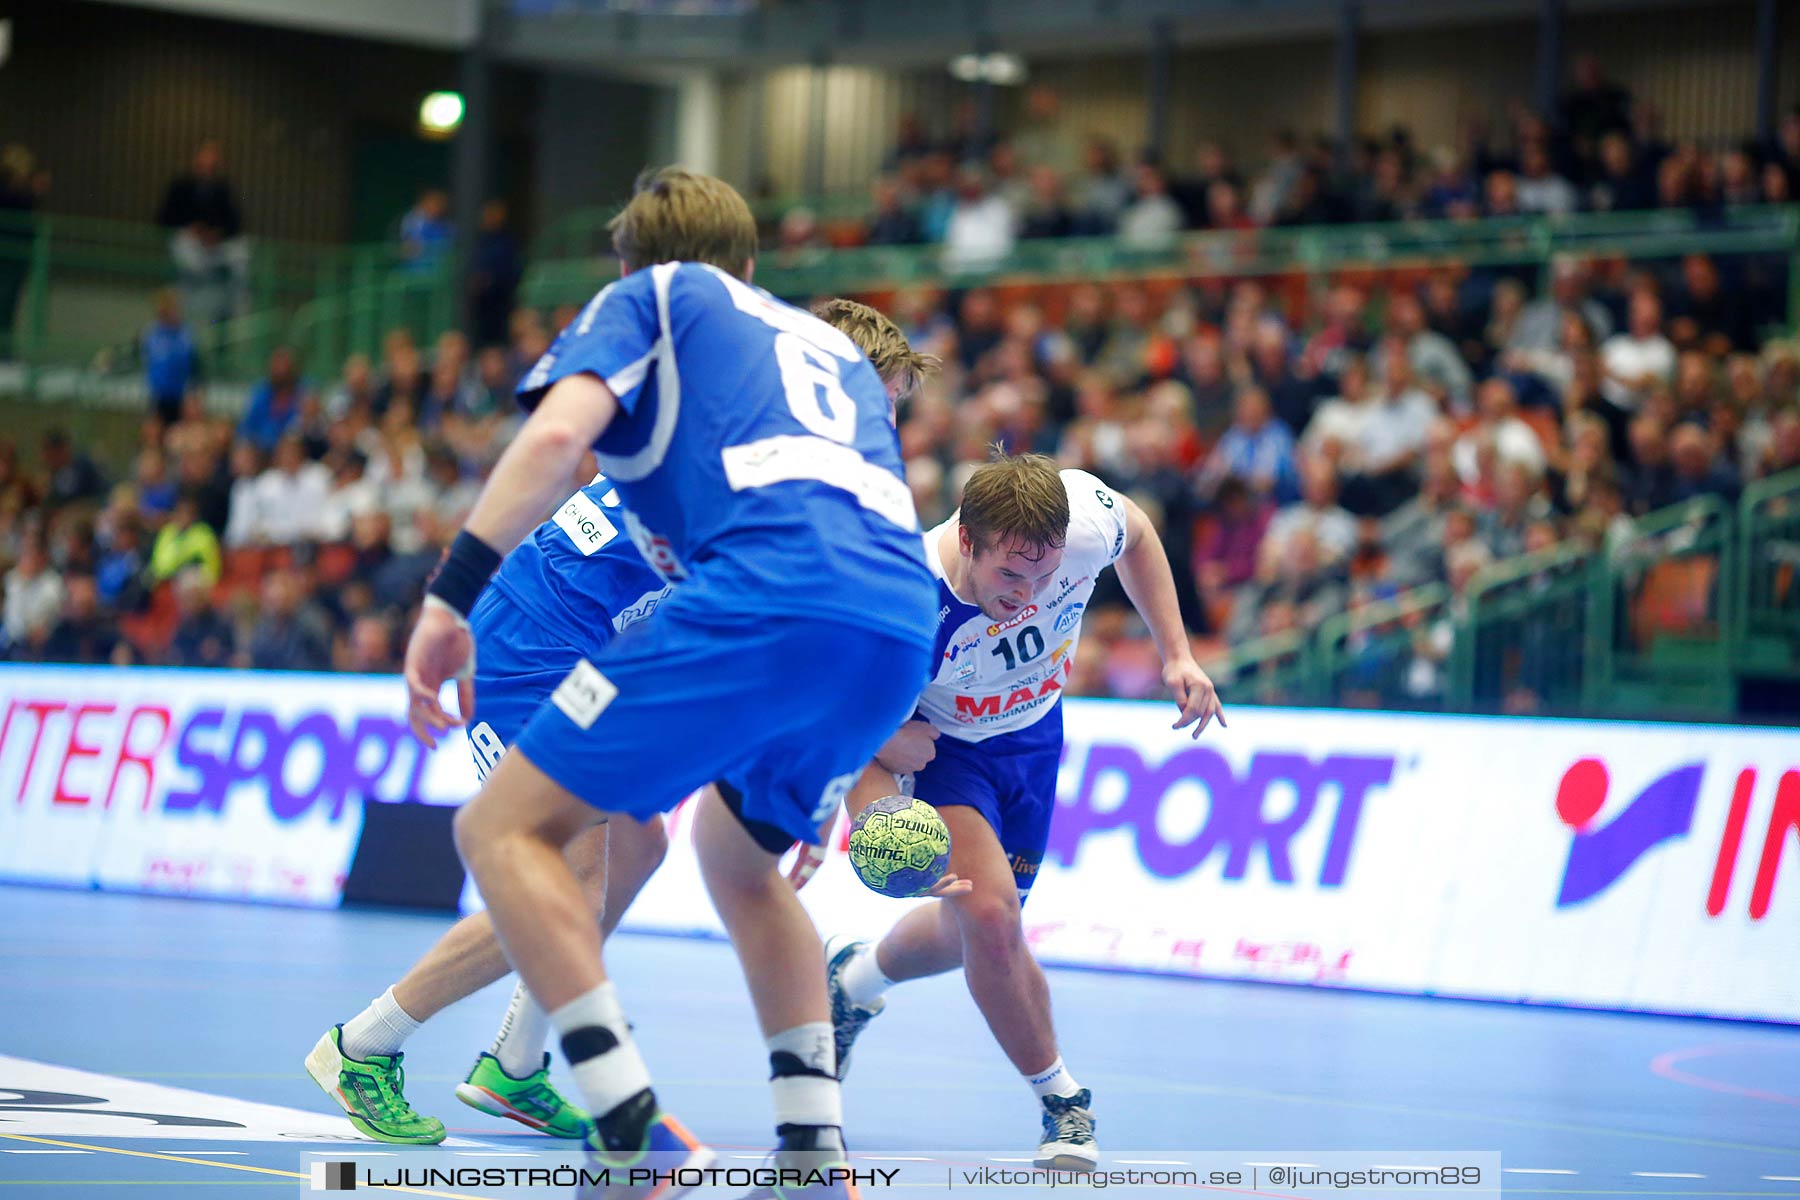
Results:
x,y
204,1010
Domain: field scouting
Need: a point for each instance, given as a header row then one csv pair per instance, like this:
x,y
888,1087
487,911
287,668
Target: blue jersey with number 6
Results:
x,y
752,449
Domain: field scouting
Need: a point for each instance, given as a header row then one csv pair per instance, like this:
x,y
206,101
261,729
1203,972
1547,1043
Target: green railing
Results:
x,y
1277,669
563,270
1524,638
1384,653
1664,604
1767,607
87,289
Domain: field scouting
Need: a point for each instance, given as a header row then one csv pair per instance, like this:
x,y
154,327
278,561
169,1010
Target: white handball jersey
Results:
x,y
1000,677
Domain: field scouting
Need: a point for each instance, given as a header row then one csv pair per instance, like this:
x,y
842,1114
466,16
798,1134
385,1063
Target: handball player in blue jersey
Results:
x,y
563,594
751,445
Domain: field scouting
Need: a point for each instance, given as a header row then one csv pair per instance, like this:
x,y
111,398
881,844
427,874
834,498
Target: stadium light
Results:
x,y
440,114
1003,70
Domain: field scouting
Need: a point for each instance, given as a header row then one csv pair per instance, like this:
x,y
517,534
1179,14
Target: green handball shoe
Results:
x,y
371,1093
532,1101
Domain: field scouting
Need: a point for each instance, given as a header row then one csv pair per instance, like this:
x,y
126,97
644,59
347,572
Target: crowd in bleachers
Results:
x,y
978,196
1303,445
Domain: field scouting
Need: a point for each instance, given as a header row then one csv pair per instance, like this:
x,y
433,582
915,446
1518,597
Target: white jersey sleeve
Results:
x,y
992,678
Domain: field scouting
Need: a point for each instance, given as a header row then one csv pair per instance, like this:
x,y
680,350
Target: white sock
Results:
x,y
519,1046
381,1028
1053,1080
804,1062
863,978
607,1066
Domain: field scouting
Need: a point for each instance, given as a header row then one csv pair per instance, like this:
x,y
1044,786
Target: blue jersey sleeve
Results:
x,y
617,338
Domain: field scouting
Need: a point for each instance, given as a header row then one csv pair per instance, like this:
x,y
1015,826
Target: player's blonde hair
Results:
x,y
681,216
1018,499
879,338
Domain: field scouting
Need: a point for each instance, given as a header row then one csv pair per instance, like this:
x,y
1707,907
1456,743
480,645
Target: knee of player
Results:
x,y
470,829
989,920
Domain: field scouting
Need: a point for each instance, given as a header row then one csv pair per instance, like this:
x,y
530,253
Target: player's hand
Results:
x,y
951,885
441,648
1194,692
909,750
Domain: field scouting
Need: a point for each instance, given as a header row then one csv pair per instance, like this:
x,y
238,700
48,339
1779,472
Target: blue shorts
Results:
x,y
787,711
518,663
1010,779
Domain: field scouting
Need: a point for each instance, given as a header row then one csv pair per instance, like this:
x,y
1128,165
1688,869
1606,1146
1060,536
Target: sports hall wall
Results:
x,y
1629,866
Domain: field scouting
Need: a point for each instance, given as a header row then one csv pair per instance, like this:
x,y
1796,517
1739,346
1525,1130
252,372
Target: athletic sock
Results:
x,y
809,1110
609,1071
519,1046
381,1028
1053,1080
863,978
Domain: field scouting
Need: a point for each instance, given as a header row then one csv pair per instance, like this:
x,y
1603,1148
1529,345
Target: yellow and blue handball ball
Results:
x,y
900,847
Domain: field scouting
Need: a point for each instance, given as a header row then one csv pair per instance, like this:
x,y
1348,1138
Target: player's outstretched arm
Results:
x,y
1144,570
532,474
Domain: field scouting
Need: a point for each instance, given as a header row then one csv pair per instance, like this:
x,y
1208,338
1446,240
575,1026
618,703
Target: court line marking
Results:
x,y
1538,1171
43,1152
1663,1065
209,1153
1782,1178
1667,1175
207,1162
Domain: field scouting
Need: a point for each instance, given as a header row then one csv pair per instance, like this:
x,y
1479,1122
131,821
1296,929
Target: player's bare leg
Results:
x,y
512,838
780,951
983,932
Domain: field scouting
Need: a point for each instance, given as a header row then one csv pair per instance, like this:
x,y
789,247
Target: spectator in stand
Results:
x,y
911,143
1102,190
1257,448
426,233
84,633
34,598
1153,219
156,491
1047,215
1622,184
1594,106
291,633
275,403
1318,513
1639,360
171,357
1279,175
497,263
1500,195
1648,483
368,648
1518,503
1705,314
1437,367
1392,429
1785,153
1540,324
185,544
1211,165
980,234
202,637
207,243
1498,427
282,505
72,475
22,188
1696,468
1225,207
1225,552
1043,140
890,224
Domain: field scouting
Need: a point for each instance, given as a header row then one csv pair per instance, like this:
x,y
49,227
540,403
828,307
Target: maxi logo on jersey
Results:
x,y
981,710
1664,811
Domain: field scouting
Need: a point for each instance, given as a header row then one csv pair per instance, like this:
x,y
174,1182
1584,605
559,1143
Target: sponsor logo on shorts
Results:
x,y
584,694
1069,618
1023,615
1026,867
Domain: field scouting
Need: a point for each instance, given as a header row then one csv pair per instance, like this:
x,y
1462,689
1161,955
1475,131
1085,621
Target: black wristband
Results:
x,y
467,566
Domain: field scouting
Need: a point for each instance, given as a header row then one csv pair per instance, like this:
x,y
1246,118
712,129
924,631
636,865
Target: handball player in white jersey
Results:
x,y
1015,569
